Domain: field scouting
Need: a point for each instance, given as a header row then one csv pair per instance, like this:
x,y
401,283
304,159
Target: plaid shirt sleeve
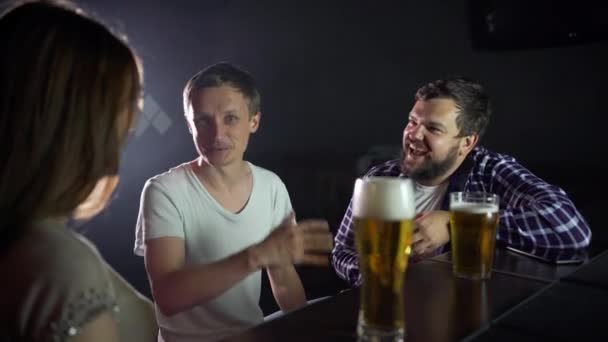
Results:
x,y
344,255
535,216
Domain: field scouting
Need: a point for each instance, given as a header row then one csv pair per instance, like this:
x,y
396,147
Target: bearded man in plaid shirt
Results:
x,y
442,155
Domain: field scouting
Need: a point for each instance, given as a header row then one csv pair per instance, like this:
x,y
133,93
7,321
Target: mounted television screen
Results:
x,y
520,24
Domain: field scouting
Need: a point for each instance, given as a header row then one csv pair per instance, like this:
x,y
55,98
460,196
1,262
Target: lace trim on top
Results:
x,y
82,310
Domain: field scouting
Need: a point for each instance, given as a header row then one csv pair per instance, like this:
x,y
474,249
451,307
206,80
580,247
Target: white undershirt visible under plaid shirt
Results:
x,y
535,216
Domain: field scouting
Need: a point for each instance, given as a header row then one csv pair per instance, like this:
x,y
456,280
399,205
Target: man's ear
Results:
x,y
468,143
254,122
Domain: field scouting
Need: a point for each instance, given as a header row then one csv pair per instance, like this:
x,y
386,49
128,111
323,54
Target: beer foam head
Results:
x,y
387,198
475,208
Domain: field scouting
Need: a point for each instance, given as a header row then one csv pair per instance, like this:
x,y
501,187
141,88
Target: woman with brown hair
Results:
x,y
69,94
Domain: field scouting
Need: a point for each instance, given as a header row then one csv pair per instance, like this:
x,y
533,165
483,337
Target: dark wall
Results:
x,y
338,77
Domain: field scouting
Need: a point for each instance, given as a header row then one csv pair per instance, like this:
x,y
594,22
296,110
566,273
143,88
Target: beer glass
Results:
x,y
383,215
473,222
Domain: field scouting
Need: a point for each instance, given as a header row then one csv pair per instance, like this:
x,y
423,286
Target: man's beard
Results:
x,y
429,169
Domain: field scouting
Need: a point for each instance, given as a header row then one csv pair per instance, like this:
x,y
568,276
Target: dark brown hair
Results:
x,y
473,103
69,91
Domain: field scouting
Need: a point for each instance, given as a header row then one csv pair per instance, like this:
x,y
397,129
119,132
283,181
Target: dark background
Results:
x,y
337,80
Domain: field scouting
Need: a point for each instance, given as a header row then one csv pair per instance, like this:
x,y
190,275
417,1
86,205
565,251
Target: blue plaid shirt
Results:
x,y
535,216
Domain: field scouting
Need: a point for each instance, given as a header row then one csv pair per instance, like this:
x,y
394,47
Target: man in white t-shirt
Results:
x,y
207,227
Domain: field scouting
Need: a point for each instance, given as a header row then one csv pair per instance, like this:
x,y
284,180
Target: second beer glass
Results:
x,y
473,222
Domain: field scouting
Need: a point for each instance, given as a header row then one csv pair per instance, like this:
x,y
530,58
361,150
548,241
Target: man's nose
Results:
x,y
416,132
217,129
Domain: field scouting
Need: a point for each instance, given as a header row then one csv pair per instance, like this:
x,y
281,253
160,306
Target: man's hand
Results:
x,y
307,242
431,231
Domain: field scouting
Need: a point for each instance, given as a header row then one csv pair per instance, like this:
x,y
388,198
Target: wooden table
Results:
x,y
515,264
439,306
572,308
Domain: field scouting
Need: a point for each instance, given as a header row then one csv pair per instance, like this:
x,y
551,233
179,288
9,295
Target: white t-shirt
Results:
x,y
177,204
428,198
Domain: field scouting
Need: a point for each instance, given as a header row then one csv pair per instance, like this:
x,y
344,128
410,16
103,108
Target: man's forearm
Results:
x,y
536,216
192,285
545,225
286,287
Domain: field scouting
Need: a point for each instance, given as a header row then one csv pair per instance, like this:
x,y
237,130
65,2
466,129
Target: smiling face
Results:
x,y
220,123
432,146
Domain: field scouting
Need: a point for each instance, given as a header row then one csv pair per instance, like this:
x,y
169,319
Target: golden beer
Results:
x,y
383,254
473,229
383,211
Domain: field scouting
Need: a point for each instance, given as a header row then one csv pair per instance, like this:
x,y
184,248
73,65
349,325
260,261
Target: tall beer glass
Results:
x,y
383,212
473,222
